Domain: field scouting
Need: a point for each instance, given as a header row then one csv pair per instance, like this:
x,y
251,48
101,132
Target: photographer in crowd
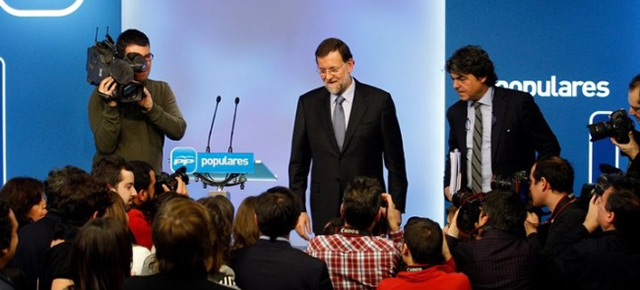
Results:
x,y
134,129
631,148
551,186
429,262
610,259
356,257
500,258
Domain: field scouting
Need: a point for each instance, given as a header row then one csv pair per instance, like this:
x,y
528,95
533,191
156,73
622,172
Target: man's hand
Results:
x,y
303,228
591,220
453,227
447,193
394,217
531,223
147,102
631,149
181,187
106,88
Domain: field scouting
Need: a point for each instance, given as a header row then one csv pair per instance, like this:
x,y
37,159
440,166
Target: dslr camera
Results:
x,y
170,181
103,61
618,126
603,182
518,183
470,203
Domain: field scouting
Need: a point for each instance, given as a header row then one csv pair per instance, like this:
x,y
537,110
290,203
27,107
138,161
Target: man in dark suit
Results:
x,y
345,129
272,263
501,258
512,126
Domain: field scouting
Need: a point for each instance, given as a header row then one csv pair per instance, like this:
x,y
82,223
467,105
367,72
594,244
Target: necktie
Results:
x,y
339,124
476,161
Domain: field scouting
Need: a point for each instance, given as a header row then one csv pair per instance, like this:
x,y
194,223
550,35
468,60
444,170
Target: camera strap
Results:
x,y
556,213
106,98
353,232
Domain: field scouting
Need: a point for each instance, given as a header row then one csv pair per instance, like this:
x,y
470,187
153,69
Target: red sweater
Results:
x,y
440,277
140,228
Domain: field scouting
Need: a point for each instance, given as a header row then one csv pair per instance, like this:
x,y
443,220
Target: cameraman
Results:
x,y
632,149
135,130
369,257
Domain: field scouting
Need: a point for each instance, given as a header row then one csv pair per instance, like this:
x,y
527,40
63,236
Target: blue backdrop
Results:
x,y
589,47
259,51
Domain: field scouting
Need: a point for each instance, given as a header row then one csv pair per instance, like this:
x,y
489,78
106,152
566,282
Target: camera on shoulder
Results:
x,y
103,61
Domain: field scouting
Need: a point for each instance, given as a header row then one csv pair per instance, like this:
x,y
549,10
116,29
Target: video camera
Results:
x,y
618,126
103,61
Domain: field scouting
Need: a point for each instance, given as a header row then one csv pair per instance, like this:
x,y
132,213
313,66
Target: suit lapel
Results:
x,y
499,104
358,108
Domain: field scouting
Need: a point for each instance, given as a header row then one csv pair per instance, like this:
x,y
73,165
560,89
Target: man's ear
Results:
x,y
255,219
341,211
142,195
545,184
610,217
482,220
405,250
110,187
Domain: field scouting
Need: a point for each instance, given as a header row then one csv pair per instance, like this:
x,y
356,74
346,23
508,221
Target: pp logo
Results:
x,y
183,156
40,8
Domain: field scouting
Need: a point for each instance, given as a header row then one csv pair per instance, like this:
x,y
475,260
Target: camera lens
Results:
x,y
600,131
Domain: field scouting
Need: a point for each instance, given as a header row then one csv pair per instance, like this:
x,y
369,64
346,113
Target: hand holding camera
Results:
x,y
591,220
630,148
394,217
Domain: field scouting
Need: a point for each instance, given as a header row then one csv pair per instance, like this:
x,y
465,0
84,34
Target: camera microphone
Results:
x,y
233,125
215,111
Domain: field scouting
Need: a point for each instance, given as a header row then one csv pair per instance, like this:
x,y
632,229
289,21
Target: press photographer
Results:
x,y
125,120
500,257
469,203
621,130
552,187
373,257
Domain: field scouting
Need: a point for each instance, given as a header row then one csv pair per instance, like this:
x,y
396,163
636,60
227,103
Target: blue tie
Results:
x,y
339,124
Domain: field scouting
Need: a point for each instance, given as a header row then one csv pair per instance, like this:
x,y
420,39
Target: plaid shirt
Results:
x,y
358,262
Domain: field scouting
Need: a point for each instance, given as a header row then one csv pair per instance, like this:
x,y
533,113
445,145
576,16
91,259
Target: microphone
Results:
x,y
215,111
233,125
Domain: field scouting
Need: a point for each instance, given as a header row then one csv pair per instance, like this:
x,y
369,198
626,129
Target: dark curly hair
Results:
x,y
472,59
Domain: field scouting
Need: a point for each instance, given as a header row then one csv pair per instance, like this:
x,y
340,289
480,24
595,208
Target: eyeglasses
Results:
x,y
149,57
332,70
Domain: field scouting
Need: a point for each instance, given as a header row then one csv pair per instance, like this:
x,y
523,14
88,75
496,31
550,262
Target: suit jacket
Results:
x,y
499,260
518,131
171,281
373,135
276,265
